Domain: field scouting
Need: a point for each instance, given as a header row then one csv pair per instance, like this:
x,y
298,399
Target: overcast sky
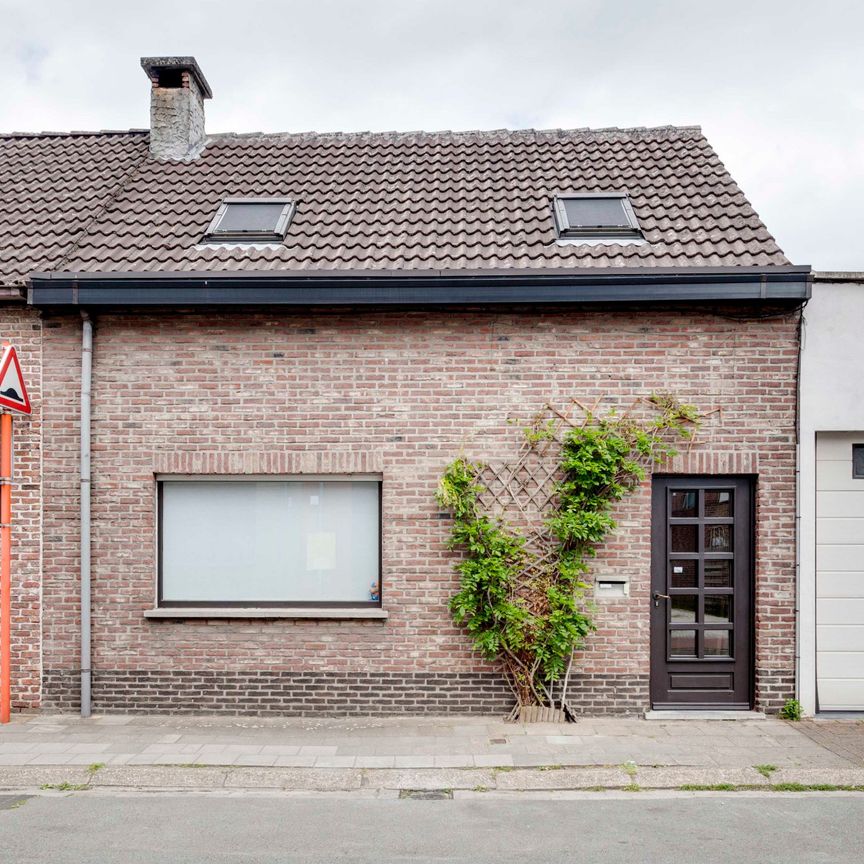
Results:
x,y
778,87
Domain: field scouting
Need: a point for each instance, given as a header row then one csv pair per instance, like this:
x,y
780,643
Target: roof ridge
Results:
x,y
393,133
75,133
482,133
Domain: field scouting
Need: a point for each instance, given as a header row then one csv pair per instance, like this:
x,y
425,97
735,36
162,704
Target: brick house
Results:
x,y
291,337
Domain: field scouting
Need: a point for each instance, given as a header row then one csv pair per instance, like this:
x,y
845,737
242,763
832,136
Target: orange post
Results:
x,y
5,566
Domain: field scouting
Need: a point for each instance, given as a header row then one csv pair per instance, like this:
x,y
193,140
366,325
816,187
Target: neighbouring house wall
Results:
x,y
832,400
23,328
401,393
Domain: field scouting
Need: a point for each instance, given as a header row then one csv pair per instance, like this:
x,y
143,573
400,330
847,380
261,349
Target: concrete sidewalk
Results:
x,y
423,753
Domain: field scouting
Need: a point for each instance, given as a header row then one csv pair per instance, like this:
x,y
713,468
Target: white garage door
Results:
x,y
840,571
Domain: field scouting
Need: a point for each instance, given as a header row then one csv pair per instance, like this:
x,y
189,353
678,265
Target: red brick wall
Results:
x,y
409,390
23,329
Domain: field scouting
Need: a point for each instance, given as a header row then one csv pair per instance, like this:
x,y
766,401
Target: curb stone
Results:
x,y
321,779
673,777
834,776
18,776
431,778
372,780
162,776
562,778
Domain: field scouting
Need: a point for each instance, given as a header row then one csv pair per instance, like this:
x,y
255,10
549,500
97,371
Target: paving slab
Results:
x,y
47,759
58,747
335,761
260,760
493,760
87,759
12,759
17,746
280,749
443,762
295,761
119,759
416,761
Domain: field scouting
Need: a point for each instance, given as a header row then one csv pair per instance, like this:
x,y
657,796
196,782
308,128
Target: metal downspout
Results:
x,y
86,387
802,323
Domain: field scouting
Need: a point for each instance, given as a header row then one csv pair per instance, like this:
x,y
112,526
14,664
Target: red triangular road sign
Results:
x,y
13,393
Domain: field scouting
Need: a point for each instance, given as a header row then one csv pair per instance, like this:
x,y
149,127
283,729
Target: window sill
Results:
x,y
320,612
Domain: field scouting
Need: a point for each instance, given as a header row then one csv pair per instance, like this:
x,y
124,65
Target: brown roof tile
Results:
x,y
51,187
443,200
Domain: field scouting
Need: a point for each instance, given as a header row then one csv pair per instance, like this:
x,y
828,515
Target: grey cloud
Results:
x,y
775,85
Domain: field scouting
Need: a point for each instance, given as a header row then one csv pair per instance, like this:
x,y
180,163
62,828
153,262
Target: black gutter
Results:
x,y
419,288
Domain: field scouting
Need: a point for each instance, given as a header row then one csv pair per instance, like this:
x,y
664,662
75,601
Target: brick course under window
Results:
x,y
393,392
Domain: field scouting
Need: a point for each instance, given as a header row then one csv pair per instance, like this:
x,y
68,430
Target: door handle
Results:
x,y
658,597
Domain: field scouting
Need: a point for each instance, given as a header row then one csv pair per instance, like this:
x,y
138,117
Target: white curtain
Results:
x,y
253,541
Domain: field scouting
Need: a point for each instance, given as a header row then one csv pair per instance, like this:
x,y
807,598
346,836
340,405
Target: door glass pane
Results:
x,y
718,502
683,607
685,538
718,538
683,574
718,607
717,643
685,503
718,574
682,643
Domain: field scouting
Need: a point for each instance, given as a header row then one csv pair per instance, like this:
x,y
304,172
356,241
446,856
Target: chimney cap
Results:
x,y
154,65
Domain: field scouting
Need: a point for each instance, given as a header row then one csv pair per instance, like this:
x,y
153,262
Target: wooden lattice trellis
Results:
x,y
522,495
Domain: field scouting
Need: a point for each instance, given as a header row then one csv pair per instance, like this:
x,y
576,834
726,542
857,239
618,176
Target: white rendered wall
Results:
x,y
832,400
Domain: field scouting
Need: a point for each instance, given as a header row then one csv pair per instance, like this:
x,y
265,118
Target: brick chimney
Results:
x,y
176,106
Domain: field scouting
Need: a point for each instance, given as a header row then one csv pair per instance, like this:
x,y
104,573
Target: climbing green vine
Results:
x,y
522,595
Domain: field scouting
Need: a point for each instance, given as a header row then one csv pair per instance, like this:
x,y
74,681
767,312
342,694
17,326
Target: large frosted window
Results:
x,y
269,541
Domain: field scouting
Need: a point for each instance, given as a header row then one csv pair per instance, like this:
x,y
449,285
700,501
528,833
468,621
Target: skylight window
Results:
x,y
595,215
250,220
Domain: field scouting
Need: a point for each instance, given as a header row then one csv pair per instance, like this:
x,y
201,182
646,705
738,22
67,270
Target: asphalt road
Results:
x,y
155,828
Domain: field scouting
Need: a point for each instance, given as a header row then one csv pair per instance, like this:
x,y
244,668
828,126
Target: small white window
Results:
x,y
595,214
250,220
304,541
858,461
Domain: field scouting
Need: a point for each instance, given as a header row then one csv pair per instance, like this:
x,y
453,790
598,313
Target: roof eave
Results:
x,y
419,288
13,294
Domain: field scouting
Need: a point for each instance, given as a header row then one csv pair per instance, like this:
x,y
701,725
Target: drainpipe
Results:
x,y
86,386
802,323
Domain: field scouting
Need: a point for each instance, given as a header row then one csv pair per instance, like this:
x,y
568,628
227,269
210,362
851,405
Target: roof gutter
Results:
x,y
839,276
419,288
13,293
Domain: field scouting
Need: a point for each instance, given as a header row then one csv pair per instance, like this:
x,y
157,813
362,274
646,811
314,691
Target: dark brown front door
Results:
x,y
701,587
